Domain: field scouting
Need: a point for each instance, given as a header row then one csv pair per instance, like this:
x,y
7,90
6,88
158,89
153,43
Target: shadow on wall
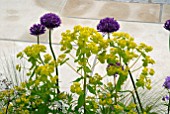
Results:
x,y
78,7
114,10
12,15
50,5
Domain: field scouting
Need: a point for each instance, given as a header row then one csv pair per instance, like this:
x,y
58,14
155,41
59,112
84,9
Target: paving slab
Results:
x,y
159,1
165,13
121,11
141,1
17,16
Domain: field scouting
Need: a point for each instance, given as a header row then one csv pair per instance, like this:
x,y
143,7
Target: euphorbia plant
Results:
x,y
120,52
90,94
40,94
89,42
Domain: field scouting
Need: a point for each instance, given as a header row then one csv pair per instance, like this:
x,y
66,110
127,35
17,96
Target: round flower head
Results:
x,y
37,29
167,25
108,25
167,82
50,20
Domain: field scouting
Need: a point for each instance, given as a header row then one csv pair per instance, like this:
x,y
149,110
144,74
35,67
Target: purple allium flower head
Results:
x,y
165,98
167,82
50,20
167,25
37,29
108,25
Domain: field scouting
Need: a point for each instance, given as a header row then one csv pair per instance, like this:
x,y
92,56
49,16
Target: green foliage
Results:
x,y
89,93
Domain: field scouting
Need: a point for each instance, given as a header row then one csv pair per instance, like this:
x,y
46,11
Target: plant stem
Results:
x,y
114,76
85,94
135,102
8,104
56,68
41,59
108,35
38,39
38,42
84,86
7,108
135,88
169,41
169,103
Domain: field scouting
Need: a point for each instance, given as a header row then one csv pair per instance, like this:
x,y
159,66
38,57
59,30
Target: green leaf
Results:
x,y
80,101
87,69
79,58
148,108
69,46
91,89
64,61
91,112
120,82
76,60
88,54
78,52
153,113
68,51
101,57
78,79
100,83
79,69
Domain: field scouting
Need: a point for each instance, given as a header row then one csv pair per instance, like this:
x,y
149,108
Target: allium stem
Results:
x,y
135,88
108,35
169,103
56,68
169,41
135,102
38,42
38,39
